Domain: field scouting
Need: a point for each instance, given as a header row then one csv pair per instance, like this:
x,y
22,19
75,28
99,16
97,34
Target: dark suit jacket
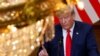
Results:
x,y
83,41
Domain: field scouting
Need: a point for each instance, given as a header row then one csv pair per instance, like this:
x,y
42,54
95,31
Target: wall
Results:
x,y
97,33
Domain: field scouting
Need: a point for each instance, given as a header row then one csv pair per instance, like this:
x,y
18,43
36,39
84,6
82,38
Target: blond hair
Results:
x,y
62,8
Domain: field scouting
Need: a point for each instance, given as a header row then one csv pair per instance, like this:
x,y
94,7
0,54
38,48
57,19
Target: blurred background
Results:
x,y
23,23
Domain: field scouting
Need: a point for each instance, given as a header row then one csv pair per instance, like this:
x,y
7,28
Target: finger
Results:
x,y
43,48
43,53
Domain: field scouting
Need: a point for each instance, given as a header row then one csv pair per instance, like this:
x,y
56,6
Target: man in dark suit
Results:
x,y
81,43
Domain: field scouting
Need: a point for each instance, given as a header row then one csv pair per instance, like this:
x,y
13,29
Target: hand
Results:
x,y
43,52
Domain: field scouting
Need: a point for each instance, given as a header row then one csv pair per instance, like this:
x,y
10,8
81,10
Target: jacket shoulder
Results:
x,y
82,24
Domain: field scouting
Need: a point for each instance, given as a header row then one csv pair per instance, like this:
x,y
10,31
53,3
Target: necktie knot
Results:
x,y
68,30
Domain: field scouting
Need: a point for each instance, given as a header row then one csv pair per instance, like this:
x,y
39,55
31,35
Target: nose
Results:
x,y
64,21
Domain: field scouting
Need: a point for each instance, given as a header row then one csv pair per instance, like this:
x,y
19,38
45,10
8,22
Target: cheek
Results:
x,y
61,21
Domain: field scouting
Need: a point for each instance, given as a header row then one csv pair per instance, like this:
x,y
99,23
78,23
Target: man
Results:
x,y
72,38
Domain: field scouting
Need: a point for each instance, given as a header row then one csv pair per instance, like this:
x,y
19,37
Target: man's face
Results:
x,y
66,19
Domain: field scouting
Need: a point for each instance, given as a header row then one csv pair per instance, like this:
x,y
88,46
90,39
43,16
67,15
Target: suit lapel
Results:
x,y
76,31
60,40
76,34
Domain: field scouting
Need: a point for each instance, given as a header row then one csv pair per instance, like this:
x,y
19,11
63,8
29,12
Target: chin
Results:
x,y
65,28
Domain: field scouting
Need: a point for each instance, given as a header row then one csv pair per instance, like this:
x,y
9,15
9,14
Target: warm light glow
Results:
x,y
8,43
32,37
14,48
12,28
24,50
15,55
39,29
15,42
80,5
21,41
37,40
32,47
12,14
4,4
20,50
38,25
59,6
3,34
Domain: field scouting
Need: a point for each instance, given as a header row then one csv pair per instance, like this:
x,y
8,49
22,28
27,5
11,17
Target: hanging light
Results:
x,y
80,5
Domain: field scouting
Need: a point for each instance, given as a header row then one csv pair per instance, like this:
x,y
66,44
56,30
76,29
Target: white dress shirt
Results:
x,y
64,36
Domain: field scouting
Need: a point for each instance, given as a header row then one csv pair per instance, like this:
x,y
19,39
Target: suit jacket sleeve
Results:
x,y
91,44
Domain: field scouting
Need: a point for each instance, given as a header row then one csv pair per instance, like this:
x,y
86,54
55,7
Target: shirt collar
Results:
x,y
72,28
